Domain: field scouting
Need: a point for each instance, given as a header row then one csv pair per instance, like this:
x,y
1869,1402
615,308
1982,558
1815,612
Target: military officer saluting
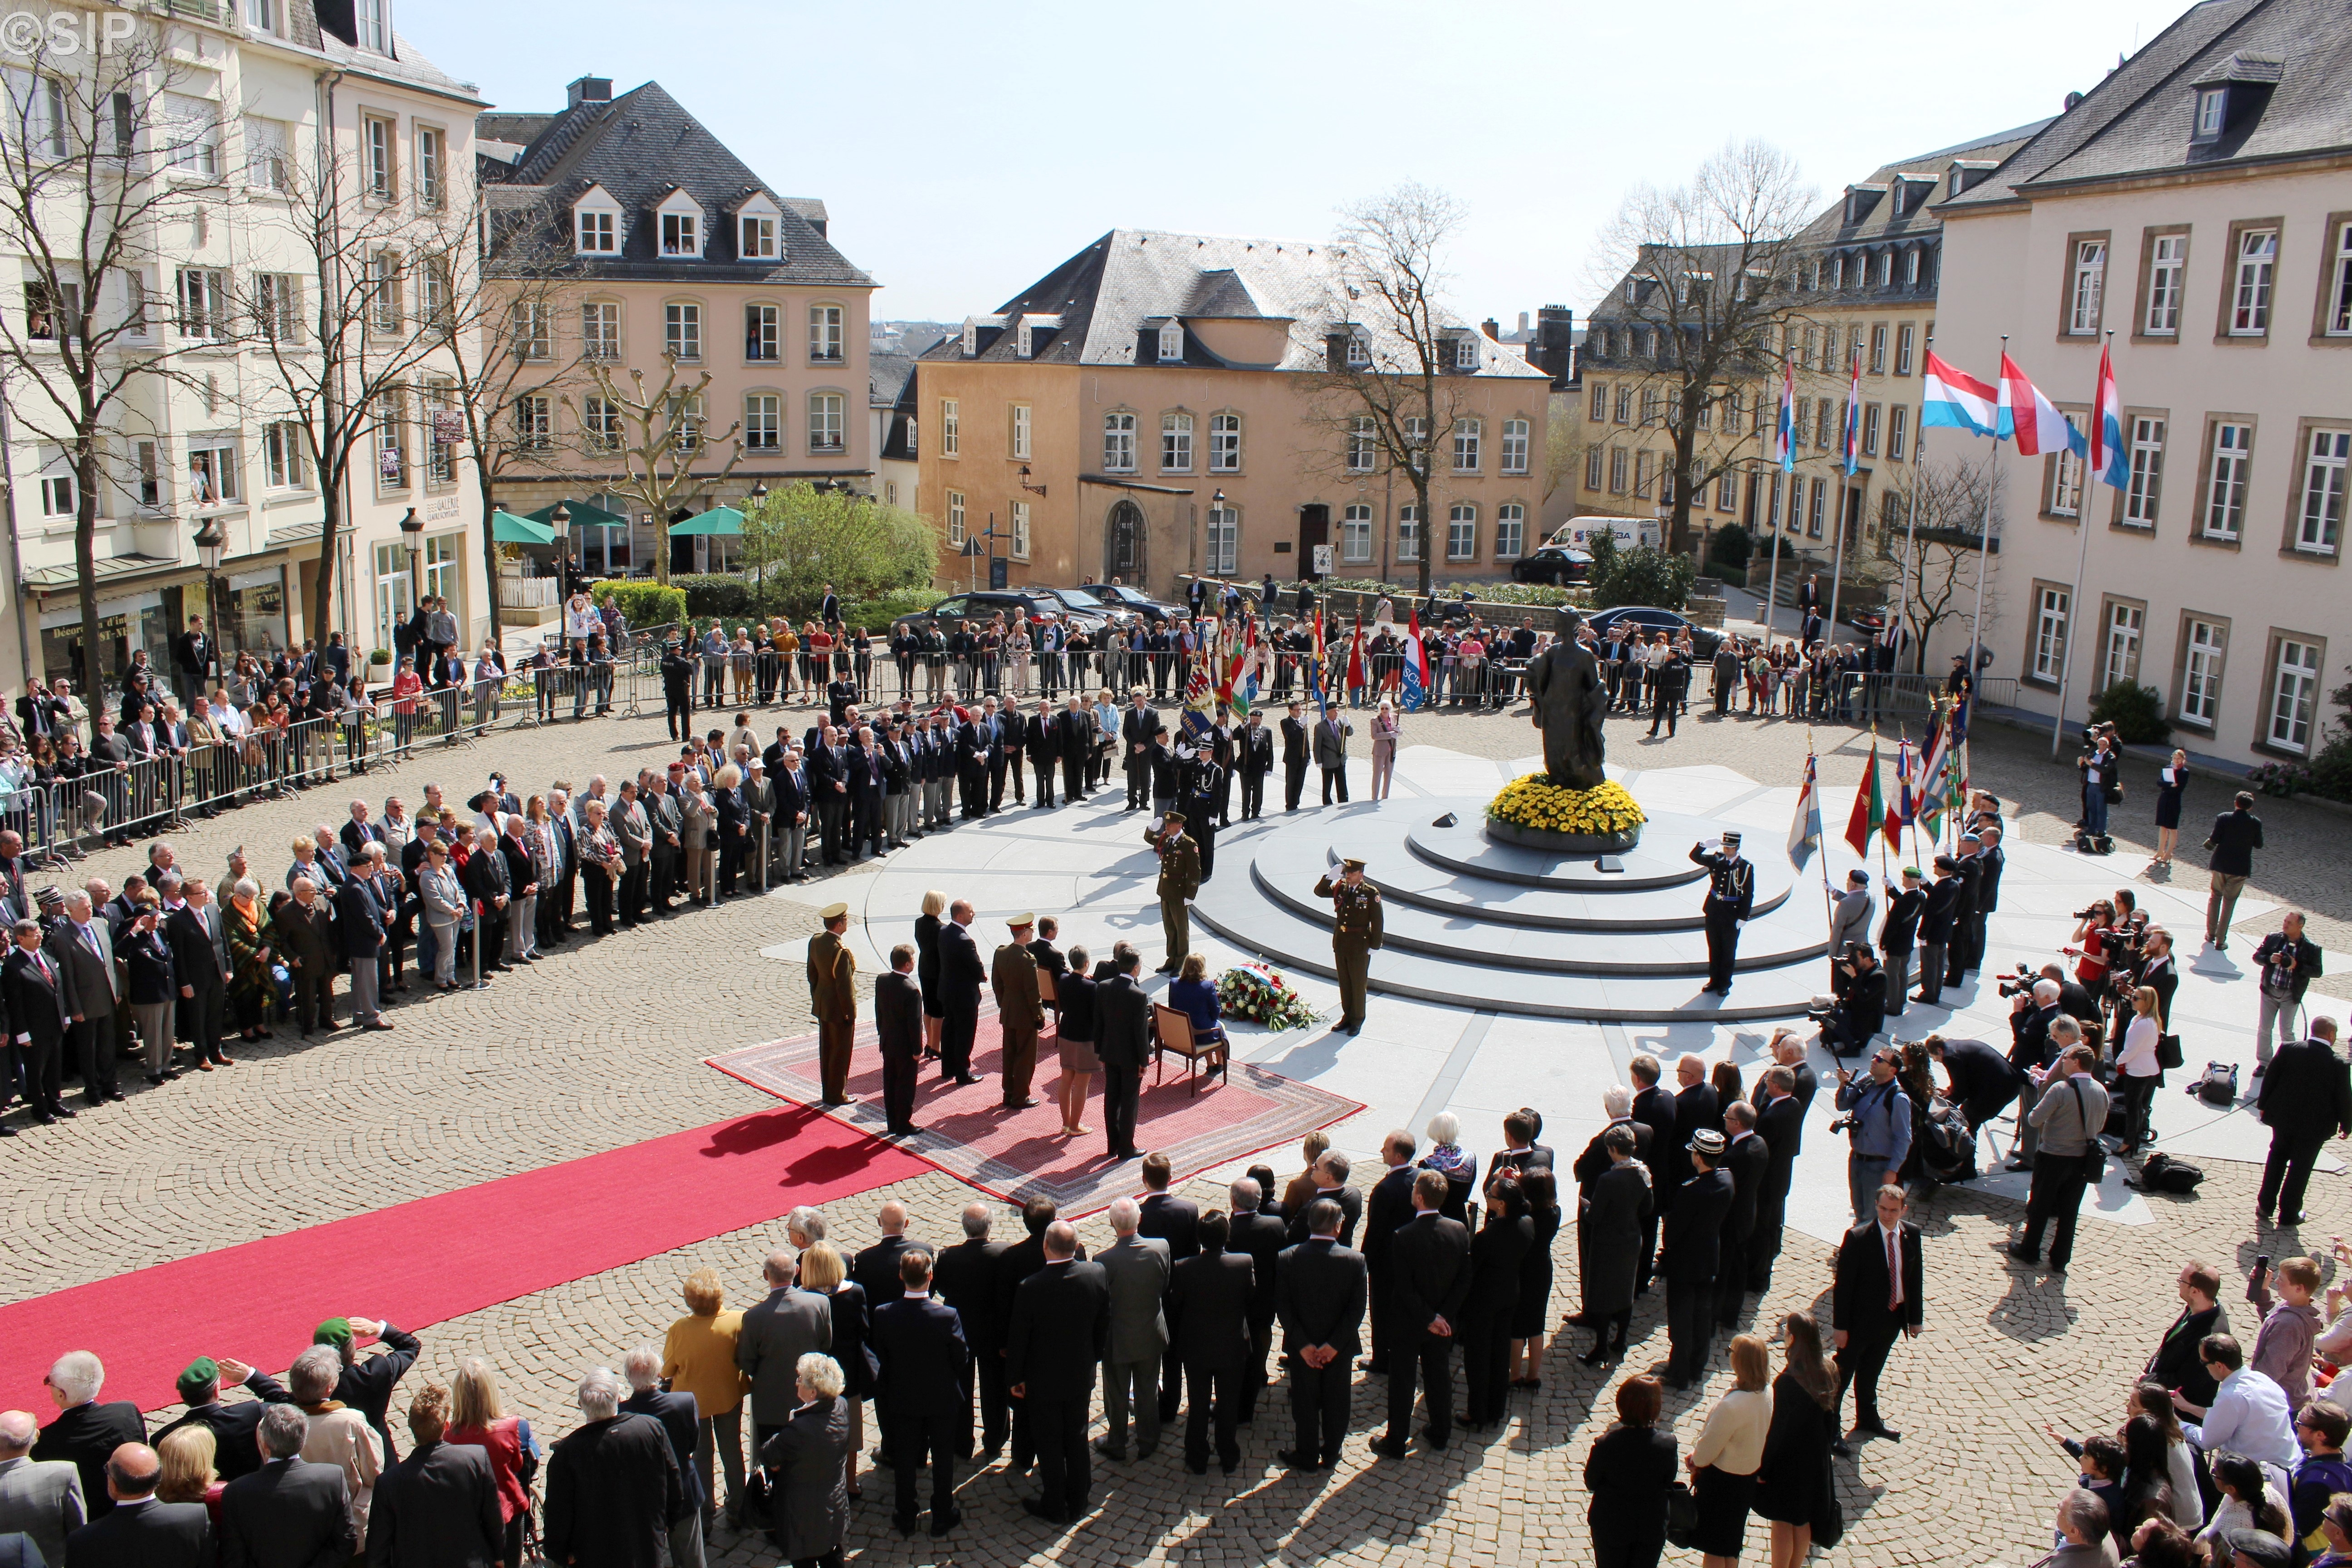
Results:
x,y
1180,881
1730,895
832,996
1355,933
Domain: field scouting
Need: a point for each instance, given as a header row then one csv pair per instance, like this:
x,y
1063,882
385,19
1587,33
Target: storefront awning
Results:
x,y
506,528
718,520
582,515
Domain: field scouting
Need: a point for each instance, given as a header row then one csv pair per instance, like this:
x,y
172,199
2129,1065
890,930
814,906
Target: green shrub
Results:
x,y
2136,711
713,594
1731,547
876,613
1642,574
1726,572
644,604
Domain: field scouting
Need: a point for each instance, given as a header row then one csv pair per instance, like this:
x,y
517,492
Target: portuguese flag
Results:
x,y
1869,805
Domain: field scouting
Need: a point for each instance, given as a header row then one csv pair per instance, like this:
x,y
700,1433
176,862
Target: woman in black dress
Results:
x,y
1541,1191
824,1272
1794,1483
1628,1474
2172,783
1616,1204
1495,1254
927,970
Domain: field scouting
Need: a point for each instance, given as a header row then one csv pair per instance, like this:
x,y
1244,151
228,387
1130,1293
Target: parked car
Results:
x,y
1704,639
1134,604
1081,607
1036,605
1557,564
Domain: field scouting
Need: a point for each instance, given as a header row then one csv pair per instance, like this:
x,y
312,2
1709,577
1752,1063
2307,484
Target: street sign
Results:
x,y
1322,561
971,547
999,572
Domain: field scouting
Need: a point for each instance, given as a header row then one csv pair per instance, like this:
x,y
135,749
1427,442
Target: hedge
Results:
x,y
643,603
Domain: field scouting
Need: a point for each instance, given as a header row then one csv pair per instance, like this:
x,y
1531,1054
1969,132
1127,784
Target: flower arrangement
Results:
x,y
1533,801
1253,991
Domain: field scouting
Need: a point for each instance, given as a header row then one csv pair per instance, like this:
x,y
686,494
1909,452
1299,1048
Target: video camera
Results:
x,y
2019,983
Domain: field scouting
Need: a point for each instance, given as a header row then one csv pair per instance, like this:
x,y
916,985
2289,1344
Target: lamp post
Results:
x,y
412,537
211,539
560,520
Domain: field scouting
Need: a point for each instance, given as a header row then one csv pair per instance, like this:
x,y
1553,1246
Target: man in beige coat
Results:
x,y
833,996
1019,1010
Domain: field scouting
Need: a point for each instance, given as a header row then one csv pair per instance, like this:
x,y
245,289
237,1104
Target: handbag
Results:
x,y
1828,1519
2168,1053
1682,1516
2095,1152
758,1500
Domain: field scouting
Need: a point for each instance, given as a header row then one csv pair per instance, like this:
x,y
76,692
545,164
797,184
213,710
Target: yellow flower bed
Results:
x,y
1533,801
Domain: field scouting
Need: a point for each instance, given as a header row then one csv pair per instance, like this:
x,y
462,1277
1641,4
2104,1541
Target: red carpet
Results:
x,y
1019,1154
439,1257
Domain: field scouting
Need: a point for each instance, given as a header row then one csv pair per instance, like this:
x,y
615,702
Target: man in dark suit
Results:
x,y
290,1513
1387,1208
961,974
613,1485
32,992
365,1383
924,1394
876,1270
1254,758
1689,1246
898,1027
82,950
1330,1170
1653,1107
2306,1099
1320,1293
1897,934
680,1420
1878,1292
1176,1221
1938,917
1780,1124
1139,727
200,963
1013,1265
1208,1326
2178,1362
137,1531
1261,1237
1053,1337
1749,1159
439,1506
1123,1045
86,1433
1968,870
965,1278
1295,754
777,1332
1431,1284
231,1426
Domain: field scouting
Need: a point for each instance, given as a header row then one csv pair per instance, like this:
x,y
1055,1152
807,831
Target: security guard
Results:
x,y
1730,896
832,996
1180,881
1355,933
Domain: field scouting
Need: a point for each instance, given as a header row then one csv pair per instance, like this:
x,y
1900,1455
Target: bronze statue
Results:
x,y
1571,701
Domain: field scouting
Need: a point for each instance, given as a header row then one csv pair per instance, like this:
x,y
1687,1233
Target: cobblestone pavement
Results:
x,y
601,1047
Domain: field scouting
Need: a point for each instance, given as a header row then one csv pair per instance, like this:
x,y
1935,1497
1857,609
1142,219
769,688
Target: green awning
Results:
x,y
582,515
508,529
718,520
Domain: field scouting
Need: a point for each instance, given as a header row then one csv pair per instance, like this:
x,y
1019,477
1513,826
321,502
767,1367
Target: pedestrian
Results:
x,y
899,1033
1055,1335
1319,1297
923,1392
2068,1116
807,1461
1331,732
1207,1329
1020,1009
2286,962
2171,786
1431,1288
1879,1125
1628,1475
2237,834
1878,1298
1178,884
1730,899
2305,1099
1731,1448
1795,1488
832,998
437,1508
1499,1252
1074,1036
697,1358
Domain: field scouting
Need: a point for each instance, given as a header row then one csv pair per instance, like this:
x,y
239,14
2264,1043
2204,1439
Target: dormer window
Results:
x,y
758,241
1172,344
596,233
1022,343
681,235
1360,352
2212,105
759,229
1465,353
971,339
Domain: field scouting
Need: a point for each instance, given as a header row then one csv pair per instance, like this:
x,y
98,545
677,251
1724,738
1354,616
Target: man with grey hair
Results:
x,y
776,1332
40,1498
306,933
338,1434
613,1484
964,1277
288,1510
681,1420
2031,1023
1261,1237
1137,1267
32,998
86,1433
805,1228
82,949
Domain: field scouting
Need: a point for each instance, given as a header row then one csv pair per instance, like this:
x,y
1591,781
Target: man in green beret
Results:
x,y
366,1385
235,1453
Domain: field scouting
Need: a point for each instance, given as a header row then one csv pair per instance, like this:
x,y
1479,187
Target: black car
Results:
x,y
1133,603
1704,639
1080,607
1036,606
1554,563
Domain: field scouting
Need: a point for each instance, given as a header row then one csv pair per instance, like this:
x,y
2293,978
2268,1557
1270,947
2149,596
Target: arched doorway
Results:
x,y
1123,543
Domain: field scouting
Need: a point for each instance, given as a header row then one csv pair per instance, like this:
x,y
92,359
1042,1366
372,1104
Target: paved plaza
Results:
x,y
604,1046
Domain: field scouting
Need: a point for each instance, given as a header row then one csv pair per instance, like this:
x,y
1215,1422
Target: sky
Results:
x,y
963,150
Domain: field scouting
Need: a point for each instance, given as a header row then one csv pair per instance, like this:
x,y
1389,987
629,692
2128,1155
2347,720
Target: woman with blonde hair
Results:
x,y
1301,1187
699,1358
1386,731
2138,1068
824,1273
1793,1482
1731,1448
927,970
2172,783
188,1453
477,1420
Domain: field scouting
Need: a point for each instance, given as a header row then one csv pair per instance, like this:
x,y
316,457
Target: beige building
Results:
x,y
1161,403
678,253
2194,210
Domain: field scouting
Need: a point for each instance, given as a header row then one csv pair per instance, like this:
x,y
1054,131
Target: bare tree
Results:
x,y
1936,566
1391,385
1701,277
367,324
83,197
1564,446
653,438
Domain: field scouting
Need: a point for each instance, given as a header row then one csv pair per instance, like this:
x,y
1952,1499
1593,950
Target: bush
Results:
x,y
643,604
2136,713
1735,576
876,613
713,594
1731,548
1643,574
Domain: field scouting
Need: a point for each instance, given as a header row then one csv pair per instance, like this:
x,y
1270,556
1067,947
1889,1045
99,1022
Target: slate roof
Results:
x,y
1106,293
887,375
640,146
407,64
2139,120
1880,223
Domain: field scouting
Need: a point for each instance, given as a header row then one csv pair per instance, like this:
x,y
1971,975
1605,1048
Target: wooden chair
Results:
x,y
1174,1033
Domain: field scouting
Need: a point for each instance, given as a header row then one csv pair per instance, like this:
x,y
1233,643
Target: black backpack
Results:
x,y
2218,1085
2163,1174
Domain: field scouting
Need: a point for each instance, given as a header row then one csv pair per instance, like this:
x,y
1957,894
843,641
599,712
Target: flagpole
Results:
x,y
1848,439
1828,915
2075,598
1772,524
1911,539
1984,551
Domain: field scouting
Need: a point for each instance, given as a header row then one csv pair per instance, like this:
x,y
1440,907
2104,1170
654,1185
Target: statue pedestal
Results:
x,y
1562,843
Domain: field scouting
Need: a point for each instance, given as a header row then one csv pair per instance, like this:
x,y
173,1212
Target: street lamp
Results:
x,y
211,539
1033,490
560,520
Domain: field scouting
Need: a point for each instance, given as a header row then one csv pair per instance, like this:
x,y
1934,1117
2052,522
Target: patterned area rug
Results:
x,y
1017,1154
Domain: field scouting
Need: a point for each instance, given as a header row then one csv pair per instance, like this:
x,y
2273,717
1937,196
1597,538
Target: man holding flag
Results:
x,y
1416,666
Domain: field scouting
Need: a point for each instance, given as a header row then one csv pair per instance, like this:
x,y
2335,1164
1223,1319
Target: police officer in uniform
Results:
x,y
1202,787
1179,880
1730,895
1355,933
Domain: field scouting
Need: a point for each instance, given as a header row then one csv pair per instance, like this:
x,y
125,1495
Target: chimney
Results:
x,y
1523,323
1553,352
588,89
1492,329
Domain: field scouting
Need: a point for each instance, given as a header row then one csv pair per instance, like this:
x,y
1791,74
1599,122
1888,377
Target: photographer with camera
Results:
x,y
2031,1016
1859,986
1878,1119
2288,962
2090,953
2070,1109
2101,765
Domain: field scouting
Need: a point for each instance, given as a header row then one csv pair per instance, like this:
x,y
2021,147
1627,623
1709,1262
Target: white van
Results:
x,y
1577,532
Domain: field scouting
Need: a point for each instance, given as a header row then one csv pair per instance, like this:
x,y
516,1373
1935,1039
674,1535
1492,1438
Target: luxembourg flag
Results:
x,y
1784,431
2030,419
2109,465
1416,664
1853,419
1957,401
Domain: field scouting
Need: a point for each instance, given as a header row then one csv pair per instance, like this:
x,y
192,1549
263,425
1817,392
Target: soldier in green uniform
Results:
x,y
1180,881
1355,933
